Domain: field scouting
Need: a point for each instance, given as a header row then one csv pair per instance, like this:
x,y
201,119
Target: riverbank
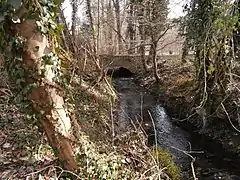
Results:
x,y
101,154
175,92
210,162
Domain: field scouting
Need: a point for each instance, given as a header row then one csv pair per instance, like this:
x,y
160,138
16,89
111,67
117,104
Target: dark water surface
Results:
x,y
137,104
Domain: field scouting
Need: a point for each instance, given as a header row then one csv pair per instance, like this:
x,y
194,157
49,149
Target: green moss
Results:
x,y
164,159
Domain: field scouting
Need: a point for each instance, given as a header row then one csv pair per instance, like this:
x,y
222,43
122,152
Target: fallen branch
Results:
x,y
229,119
193,159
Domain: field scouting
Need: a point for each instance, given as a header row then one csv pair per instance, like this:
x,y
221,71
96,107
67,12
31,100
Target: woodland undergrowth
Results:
x,y
102,153
55,116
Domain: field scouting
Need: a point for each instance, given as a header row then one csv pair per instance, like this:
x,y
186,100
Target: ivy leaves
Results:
x,y
46,20
210,70
58,2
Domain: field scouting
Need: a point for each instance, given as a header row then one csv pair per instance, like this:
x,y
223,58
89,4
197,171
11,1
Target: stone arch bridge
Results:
x,y
131,62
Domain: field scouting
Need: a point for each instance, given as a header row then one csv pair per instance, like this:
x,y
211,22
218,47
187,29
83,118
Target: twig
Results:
x,y
142,175
66,171
36,172
112,120
165,45
185,119
229,119
155,134
154,128
192,162
4,139
141,101
144,145
139,123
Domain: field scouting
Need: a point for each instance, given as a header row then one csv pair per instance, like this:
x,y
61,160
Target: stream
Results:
x,y
136,103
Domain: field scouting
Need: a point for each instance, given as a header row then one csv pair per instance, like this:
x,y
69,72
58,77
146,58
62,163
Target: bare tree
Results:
x,y
116,4
131,31
154,21
74,18
142,32
62,34
109,37
91,22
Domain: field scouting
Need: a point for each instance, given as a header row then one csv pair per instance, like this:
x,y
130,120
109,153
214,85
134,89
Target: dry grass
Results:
x,y
129,151
176,77
23,149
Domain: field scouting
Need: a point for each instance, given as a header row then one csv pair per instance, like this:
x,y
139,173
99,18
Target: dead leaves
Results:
x,y
22,148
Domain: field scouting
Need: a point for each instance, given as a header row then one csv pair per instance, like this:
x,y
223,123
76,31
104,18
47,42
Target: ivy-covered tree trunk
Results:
x,y
30,55
209,29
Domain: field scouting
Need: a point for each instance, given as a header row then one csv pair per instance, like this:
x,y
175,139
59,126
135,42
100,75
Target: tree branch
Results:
x,y
167,45
164,32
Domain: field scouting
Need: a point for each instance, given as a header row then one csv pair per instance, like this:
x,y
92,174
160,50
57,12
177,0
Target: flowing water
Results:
x,y
136,103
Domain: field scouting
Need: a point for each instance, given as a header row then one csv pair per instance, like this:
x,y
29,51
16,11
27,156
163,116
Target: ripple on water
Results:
x,y
171,137
135,101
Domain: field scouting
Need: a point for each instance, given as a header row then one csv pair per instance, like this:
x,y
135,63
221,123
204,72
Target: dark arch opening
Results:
x,y
119,72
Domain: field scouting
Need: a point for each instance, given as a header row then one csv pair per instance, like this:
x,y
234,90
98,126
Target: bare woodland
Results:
x,y
57,90
59,81
121,27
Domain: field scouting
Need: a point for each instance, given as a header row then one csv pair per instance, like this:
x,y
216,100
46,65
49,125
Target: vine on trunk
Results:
x,y
209,27
29,43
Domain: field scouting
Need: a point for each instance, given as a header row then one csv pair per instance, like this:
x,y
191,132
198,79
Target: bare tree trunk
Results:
x,y
74,18
142,46
109,37
69,40
95,55
89,13
142,52
142,33
118,23
63,37
103,29
130,28
98,25
154,59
